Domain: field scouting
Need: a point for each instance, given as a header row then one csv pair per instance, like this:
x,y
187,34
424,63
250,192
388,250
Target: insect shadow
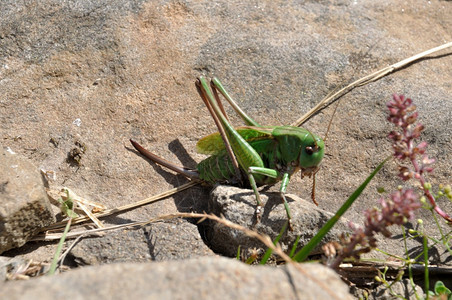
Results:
x,y
191,200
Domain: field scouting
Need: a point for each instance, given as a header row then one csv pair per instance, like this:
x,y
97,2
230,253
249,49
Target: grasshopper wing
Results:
x,y
213,143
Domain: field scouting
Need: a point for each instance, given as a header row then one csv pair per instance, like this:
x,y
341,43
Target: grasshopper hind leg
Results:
x,y
192,174
216,84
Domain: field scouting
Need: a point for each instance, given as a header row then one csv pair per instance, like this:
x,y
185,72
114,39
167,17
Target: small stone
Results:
x,y
24,206
239,206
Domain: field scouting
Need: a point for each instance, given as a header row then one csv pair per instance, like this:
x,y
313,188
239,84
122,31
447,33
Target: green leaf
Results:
x,y
441,289
67,206
381,190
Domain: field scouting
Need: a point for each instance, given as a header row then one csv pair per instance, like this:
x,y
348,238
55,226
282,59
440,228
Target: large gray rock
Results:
x,y
206,278
24,206
239,205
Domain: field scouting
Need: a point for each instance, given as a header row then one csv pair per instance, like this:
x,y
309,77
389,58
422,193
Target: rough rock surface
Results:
x,y
24,205
79,78
239,205
206,278
398,288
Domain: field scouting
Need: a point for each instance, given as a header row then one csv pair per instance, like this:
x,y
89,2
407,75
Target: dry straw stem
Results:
x,y
82,203
123,208
97,231
367,79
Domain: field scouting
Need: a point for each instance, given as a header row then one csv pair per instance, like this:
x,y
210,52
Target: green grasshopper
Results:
x,y
263,155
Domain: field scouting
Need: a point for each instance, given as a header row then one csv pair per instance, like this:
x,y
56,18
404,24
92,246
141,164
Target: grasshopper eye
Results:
x,y
309,150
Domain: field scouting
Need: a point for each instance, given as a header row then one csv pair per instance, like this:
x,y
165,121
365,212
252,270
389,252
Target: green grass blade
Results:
x,y
294,247
269,250
304,252
67,208
53,266
426,276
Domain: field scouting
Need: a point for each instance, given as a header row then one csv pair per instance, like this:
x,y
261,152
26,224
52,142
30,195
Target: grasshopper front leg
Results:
x,y
282,190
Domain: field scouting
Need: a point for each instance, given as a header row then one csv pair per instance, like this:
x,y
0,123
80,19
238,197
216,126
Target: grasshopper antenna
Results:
x,y
324,140
316,146
330,122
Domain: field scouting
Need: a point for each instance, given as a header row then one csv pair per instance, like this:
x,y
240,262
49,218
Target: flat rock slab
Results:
x,y
155,242
24,206
239,205
206,278
97,73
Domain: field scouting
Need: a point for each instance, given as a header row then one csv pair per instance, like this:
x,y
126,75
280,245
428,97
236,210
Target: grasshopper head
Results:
x,y
299,147
311,154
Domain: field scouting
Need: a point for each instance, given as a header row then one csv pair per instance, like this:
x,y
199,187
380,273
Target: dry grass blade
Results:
x,y
57,236
365,80
91,215
155,198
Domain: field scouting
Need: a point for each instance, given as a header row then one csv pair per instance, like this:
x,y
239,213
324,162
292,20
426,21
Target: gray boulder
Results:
x,y
206,278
